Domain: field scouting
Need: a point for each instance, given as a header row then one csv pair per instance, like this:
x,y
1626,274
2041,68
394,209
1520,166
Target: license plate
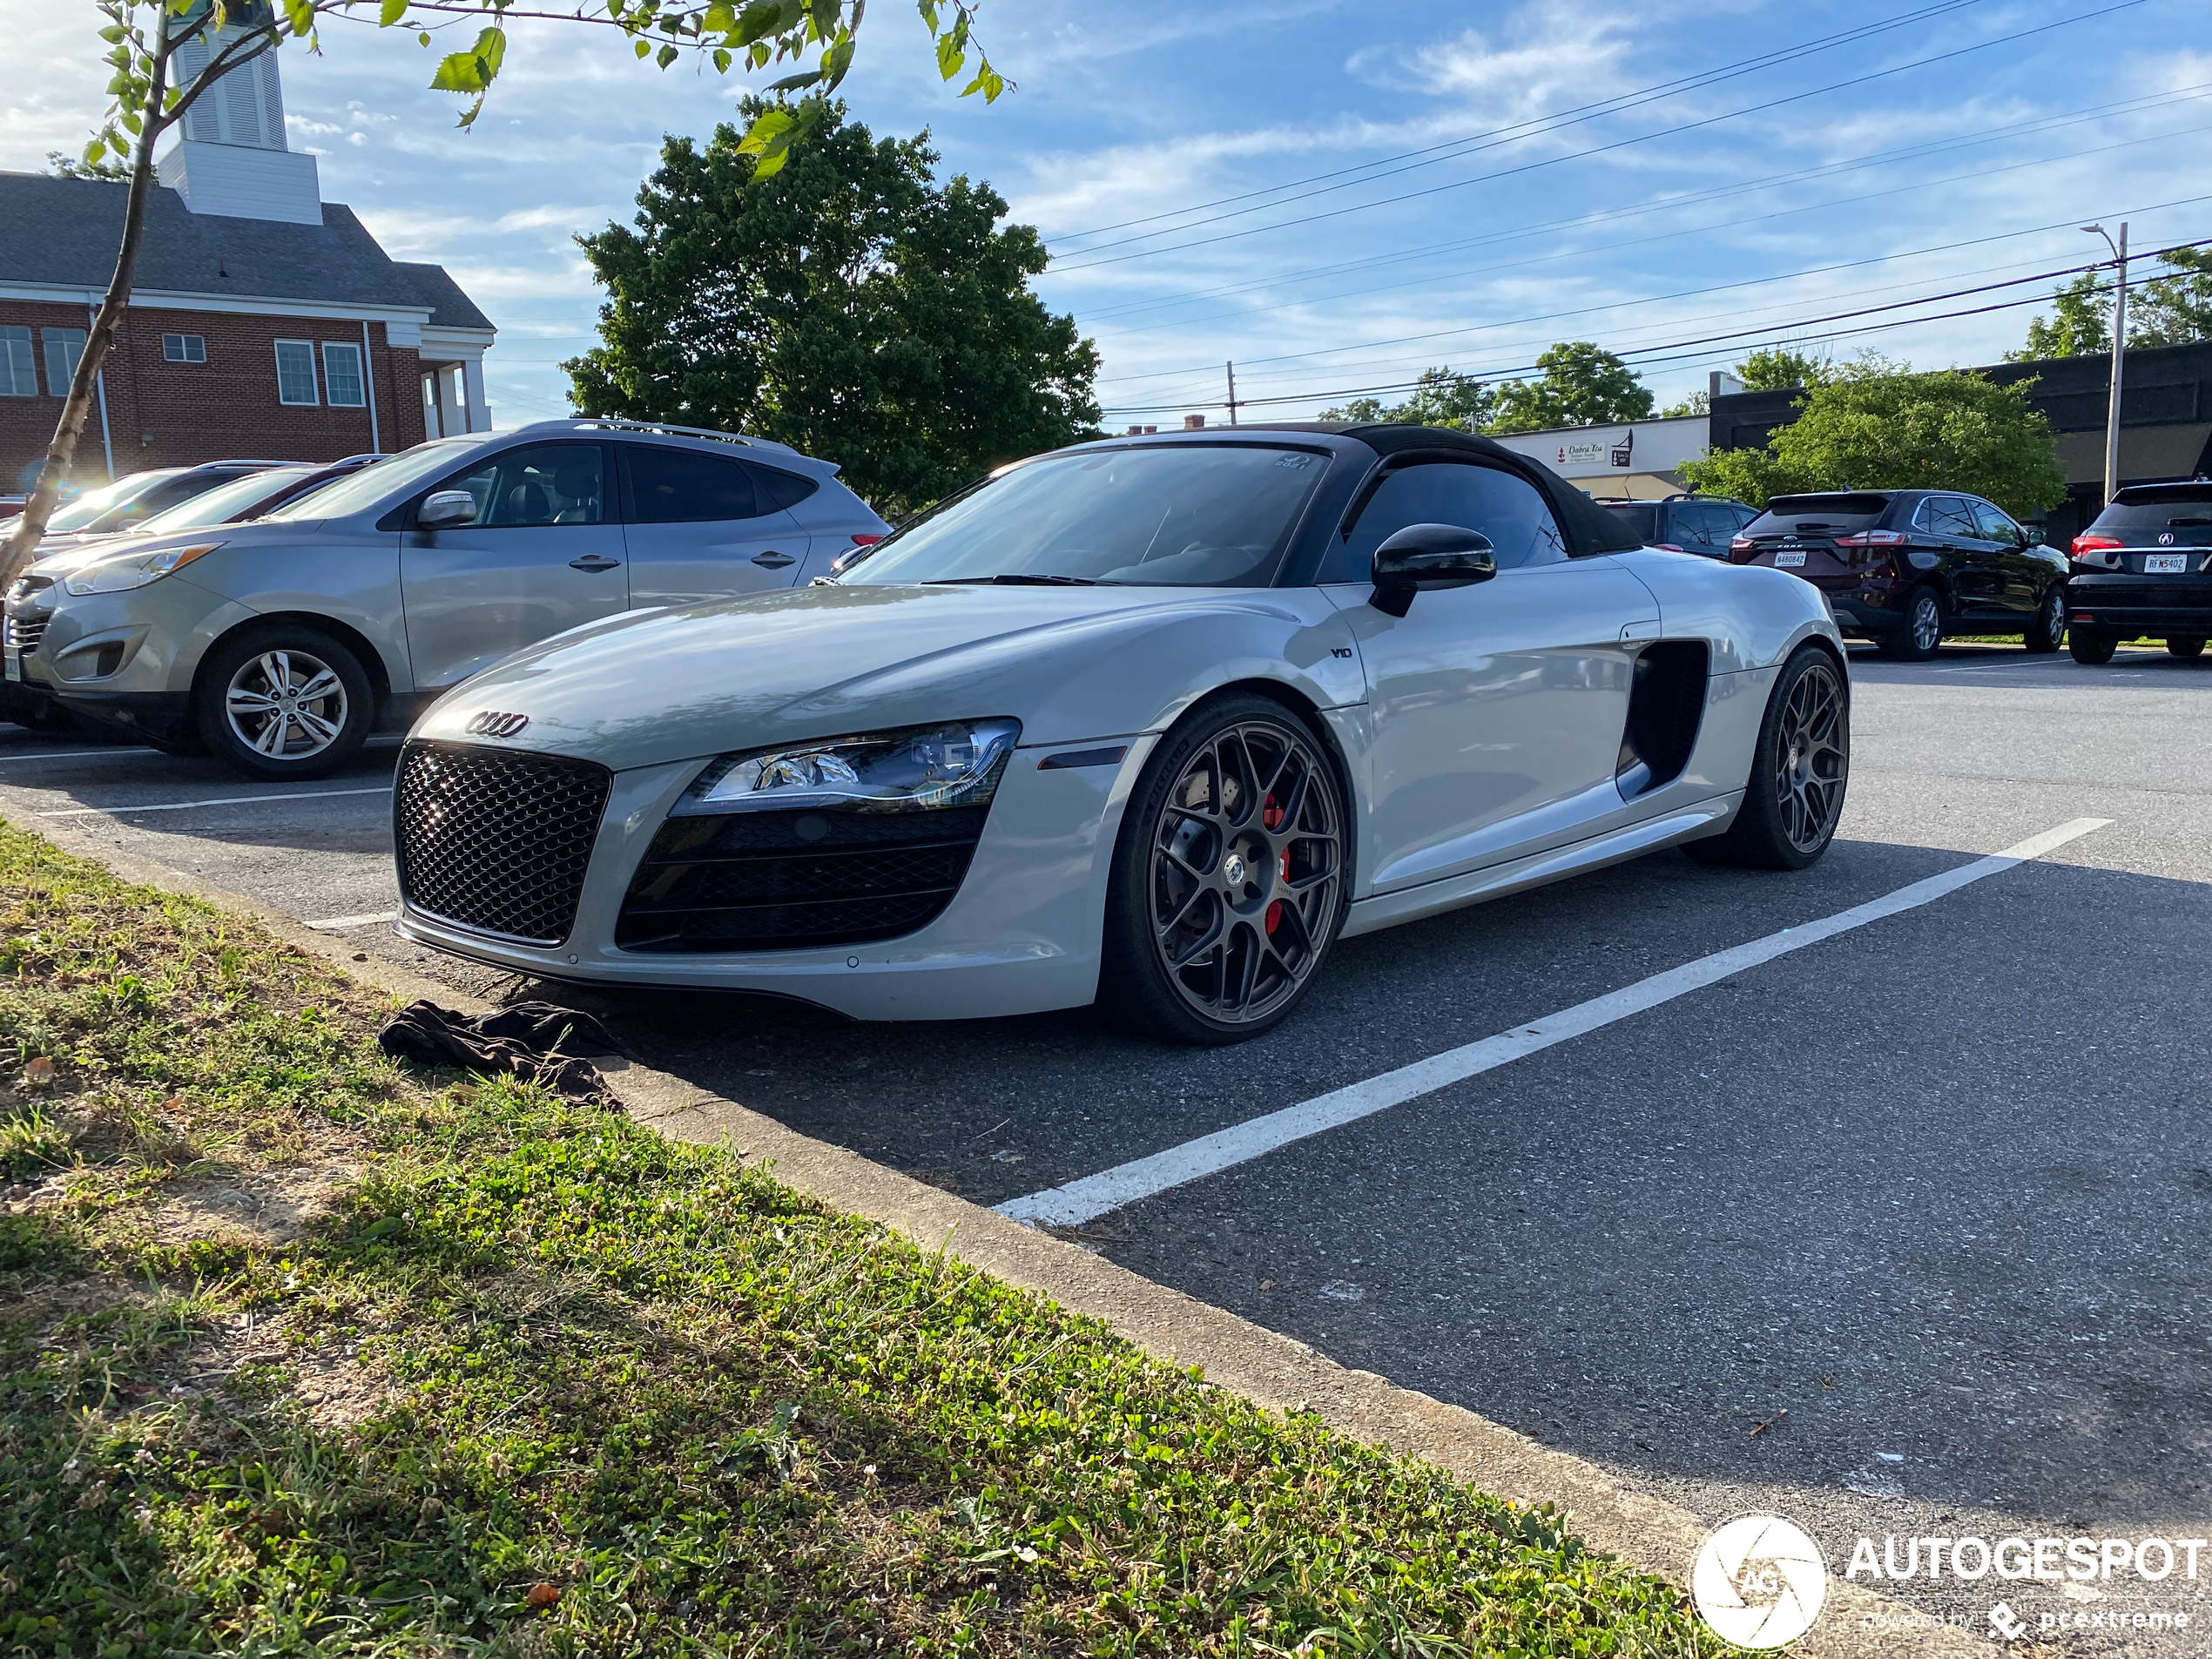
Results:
x,y
15,663
1788,561
2164,563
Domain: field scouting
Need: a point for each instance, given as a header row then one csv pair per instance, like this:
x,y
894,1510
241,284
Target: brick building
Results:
x,y
263,321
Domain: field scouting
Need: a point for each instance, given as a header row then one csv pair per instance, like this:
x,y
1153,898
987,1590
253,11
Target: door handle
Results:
x,y
773,560
594,562
1646,630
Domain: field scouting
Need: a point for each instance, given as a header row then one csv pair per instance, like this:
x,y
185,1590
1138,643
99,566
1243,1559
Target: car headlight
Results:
x,y
134,569
914,769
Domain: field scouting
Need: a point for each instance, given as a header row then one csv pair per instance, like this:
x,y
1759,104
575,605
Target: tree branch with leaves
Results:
x,y
148,100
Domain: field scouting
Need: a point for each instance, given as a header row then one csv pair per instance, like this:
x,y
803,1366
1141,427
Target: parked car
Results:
x,y
124,506
1151,720
245,496
278,645
2143,568
1905,567
1703,524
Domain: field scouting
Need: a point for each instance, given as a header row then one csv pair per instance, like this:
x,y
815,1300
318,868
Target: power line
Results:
x,y
1595,150
1556,121
1784,331
2132,106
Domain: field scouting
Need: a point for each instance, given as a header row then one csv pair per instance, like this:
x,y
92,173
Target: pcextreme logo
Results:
x,y
1759,1581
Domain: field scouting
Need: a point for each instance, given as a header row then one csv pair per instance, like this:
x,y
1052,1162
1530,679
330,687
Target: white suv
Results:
x,y
279,644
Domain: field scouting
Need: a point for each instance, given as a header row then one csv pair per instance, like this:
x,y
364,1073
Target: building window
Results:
x,y
185,348
342,385
64,348
295,371
18,377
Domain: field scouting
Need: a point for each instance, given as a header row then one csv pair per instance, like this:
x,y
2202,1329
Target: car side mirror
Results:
x,y
1425,556
2034,535
442,510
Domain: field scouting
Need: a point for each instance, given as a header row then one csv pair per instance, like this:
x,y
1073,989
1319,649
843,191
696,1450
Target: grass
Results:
x,y
300,1354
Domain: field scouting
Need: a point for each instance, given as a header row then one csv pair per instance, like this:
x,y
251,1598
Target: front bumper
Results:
x,y
1020,936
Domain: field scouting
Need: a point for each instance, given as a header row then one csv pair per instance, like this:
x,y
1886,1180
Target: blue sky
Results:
x,y
1876,181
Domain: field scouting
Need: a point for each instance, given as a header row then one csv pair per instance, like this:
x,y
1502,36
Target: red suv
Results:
x,y
1905,567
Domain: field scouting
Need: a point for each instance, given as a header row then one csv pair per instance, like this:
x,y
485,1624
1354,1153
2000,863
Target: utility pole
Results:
x,y
2119,352
1232,385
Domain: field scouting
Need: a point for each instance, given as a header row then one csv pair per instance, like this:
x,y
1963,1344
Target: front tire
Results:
x,y
282,703
1228,884
2189,648
2047,632
1916,640
2092,646
1800,769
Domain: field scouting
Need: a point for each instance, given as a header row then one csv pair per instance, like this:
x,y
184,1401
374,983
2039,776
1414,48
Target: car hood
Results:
x,y
647,688
61,556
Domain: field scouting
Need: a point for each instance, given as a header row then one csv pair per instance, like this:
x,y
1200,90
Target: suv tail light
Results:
x,y
865,538
2095,542
1873,539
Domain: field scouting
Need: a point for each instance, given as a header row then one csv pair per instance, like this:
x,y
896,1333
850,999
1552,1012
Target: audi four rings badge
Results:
x,y
490,723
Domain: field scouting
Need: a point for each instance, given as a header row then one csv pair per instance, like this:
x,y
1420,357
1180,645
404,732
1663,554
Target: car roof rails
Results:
x,y
623,423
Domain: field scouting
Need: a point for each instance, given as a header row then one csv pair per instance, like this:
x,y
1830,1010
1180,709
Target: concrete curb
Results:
x,y
1273,1369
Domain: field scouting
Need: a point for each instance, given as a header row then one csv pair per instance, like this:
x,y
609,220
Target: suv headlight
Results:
x,y
134,569
914,769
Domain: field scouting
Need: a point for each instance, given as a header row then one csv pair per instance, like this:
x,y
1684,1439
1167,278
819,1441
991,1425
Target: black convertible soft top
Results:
x,y
1587,527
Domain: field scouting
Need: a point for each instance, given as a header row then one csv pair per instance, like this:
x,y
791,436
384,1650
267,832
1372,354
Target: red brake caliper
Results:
x,y
1272,815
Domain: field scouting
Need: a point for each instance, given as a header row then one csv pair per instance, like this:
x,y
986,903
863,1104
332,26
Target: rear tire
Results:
x,y
2187,648
1800,769
1921,633
282,702
1229,875
2047,632
2092,646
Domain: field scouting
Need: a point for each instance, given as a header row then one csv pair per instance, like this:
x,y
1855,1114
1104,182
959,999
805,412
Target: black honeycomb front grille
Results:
x,y
788,880
496,840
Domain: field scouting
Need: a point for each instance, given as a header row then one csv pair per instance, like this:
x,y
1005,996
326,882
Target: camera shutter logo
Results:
x,y
491,723
1759,1581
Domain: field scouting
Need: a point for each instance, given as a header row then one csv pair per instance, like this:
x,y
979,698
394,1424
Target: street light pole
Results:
x,y
1233,395
2119,354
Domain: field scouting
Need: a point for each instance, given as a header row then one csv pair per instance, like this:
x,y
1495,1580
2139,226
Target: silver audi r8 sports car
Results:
x,y
1151,722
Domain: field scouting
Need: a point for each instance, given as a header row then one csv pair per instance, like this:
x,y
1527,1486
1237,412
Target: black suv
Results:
x,y
1702,524
1905,567
2144,568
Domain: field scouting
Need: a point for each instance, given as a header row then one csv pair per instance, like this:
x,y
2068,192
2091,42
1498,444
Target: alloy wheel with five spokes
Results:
x,y
287,705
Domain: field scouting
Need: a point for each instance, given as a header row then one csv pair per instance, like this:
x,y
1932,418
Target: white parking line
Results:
x,y
220,801
69,754
1098,1195
336,924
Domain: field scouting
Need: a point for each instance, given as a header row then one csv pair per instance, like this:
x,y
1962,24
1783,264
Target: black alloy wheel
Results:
x,y
1922,632
1229,879
1800,771
2047,632
2187,647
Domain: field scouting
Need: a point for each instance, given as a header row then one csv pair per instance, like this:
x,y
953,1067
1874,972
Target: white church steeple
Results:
x,y
232,159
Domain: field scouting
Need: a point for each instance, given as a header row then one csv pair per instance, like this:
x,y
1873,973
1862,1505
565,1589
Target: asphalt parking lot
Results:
x,y
1901,1232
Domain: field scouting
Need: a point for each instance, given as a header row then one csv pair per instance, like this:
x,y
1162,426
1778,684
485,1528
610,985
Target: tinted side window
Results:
x,y
781,489
1994,526
1945,516
1703,522
1506,508
1642,520
682,487
540,485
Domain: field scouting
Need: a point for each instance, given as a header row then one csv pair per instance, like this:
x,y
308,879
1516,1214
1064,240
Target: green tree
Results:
x,y
1582,385
149,93
2174,309
1698,403
1438,398
850,306
1878,427
1779,370
111,168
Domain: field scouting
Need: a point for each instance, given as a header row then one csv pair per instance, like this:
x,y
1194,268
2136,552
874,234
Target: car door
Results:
x,y
544,554
2021,574
1497,710
701,527
1977,580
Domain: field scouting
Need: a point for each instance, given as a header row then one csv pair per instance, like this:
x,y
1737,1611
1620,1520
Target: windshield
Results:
x,y
1642,520
374,482
1845,510
85,512
223,503
1183,514
2156,507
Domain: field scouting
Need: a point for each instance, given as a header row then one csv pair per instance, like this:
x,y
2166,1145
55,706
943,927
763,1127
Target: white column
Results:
x,y
472,376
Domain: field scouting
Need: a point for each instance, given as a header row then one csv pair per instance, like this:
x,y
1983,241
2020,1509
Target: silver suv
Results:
x,y
279,644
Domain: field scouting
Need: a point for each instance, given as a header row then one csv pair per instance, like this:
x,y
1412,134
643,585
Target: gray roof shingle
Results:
x,y
65,231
